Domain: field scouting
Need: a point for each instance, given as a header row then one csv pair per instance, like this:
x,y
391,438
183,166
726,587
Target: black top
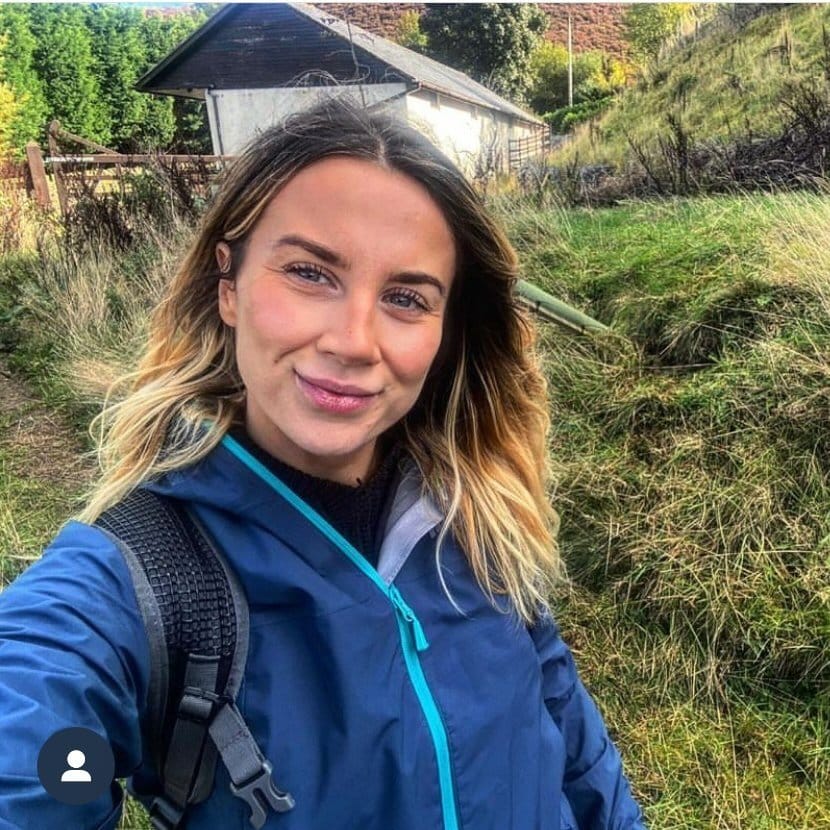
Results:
x,y
358,512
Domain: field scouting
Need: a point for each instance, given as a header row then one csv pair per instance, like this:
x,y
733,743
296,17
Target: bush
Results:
x,y
156,198
596,75
565,119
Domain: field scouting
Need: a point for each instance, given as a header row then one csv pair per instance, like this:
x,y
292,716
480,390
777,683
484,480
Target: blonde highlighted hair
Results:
x,y
478,431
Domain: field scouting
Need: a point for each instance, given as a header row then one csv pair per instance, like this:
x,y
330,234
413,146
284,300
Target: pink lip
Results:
x,y
337,388
332,401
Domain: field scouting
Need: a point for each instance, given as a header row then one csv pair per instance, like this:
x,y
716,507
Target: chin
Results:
x,y
330,446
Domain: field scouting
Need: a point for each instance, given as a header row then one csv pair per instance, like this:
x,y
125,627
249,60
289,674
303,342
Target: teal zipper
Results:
x,y
413,638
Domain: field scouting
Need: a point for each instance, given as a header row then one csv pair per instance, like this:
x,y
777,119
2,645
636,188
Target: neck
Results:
x,y
351,469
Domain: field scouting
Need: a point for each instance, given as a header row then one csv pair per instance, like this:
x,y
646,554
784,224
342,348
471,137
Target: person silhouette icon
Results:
x,y
75,766
76,759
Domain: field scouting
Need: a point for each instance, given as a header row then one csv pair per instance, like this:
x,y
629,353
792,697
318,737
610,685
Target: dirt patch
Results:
x,y
36,440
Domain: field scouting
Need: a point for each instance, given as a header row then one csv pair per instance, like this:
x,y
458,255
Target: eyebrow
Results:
x,y
332,258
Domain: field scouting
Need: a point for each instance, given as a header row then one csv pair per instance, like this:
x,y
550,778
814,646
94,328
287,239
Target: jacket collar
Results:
x,y
413,515
231,480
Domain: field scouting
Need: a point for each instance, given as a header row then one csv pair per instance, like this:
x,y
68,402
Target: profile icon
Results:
x,y
76,760
76,765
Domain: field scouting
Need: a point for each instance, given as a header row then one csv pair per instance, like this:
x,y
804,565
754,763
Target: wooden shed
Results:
x,y
253,64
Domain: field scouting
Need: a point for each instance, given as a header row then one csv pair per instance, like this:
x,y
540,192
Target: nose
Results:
x,y
350,330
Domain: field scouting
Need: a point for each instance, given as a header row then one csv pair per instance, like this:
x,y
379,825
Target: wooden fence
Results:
x,y
522,150
78,175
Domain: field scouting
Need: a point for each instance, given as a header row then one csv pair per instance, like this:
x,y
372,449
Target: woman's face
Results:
x,y
344,283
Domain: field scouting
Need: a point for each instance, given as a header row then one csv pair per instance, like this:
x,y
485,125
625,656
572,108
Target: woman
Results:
x,y
344,324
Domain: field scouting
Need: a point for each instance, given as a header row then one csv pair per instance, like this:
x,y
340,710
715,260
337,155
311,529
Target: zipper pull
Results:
x,y
421,642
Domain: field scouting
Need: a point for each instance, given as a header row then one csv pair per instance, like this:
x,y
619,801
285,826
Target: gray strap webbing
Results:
x,y
250,772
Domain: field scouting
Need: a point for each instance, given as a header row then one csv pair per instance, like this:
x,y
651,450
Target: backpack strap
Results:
x,y
196,617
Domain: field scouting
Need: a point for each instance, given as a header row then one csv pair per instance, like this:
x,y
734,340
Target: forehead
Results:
x,y
344,201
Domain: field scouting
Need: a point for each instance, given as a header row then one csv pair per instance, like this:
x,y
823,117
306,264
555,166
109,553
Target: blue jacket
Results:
x,y
380,706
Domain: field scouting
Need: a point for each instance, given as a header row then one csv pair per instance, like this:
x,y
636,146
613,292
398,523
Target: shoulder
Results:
x,y
82,559
79,594
73,653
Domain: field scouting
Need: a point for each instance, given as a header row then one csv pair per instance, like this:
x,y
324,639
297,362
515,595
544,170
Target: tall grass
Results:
x,y
694,485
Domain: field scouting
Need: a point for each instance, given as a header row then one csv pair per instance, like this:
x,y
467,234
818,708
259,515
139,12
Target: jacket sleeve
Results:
x,y
595,785
73,652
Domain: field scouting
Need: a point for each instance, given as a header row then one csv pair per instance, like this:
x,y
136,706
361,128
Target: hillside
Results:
x,y
737,77
595,25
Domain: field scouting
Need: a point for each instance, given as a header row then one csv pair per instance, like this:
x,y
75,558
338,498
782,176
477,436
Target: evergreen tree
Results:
x,y
119,56
65,61
181,122
27,120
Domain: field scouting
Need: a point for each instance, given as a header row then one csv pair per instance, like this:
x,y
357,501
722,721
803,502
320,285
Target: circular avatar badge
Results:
x,y
75,765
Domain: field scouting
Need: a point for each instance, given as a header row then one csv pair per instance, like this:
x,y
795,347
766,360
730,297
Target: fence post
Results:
x,y
37,171
54,150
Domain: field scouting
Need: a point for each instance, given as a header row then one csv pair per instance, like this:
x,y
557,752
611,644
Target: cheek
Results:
x,y
267,319
414,353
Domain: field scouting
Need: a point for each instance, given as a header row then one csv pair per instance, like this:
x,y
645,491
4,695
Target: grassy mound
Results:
x,y
736,81
693,463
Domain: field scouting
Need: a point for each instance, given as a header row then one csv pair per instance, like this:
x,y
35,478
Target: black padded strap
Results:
x,y
196,616
190,599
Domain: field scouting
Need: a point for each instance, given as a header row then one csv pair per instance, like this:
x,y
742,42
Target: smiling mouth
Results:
x,y
335,388
335,402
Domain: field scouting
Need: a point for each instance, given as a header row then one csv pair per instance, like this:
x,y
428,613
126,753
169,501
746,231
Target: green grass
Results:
x,y
691,453
692,459
741,762
725,84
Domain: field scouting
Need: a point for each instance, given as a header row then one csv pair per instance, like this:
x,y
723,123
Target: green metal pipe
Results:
x,y
549,308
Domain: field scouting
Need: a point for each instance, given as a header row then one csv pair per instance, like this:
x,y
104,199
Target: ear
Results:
x,y
223,257
227,286
227,302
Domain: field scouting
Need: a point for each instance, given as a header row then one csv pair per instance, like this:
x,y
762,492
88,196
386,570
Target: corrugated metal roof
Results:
x,y
405,63
430,73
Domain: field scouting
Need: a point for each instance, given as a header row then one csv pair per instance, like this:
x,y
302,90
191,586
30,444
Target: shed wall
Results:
x,y
467,134
237,115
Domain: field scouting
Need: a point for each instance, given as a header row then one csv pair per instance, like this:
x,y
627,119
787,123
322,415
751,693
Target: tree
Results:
x,y
408,32
120,54
26,120
65,62
9,105
181,123
648,26
596,75
491,42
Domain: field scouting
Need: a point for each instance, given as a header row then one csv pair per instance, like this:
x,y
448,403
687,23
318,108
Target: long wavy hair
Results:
x,y
478,432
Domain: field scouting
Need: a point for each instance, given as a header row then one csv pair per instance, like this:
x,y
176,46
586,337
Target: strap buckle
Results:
x,y
164,814
259,792
198,705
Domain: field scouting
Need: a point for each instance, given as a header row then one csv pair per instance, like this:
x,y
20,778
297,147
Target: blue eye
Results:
x,y
307,272
412,301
